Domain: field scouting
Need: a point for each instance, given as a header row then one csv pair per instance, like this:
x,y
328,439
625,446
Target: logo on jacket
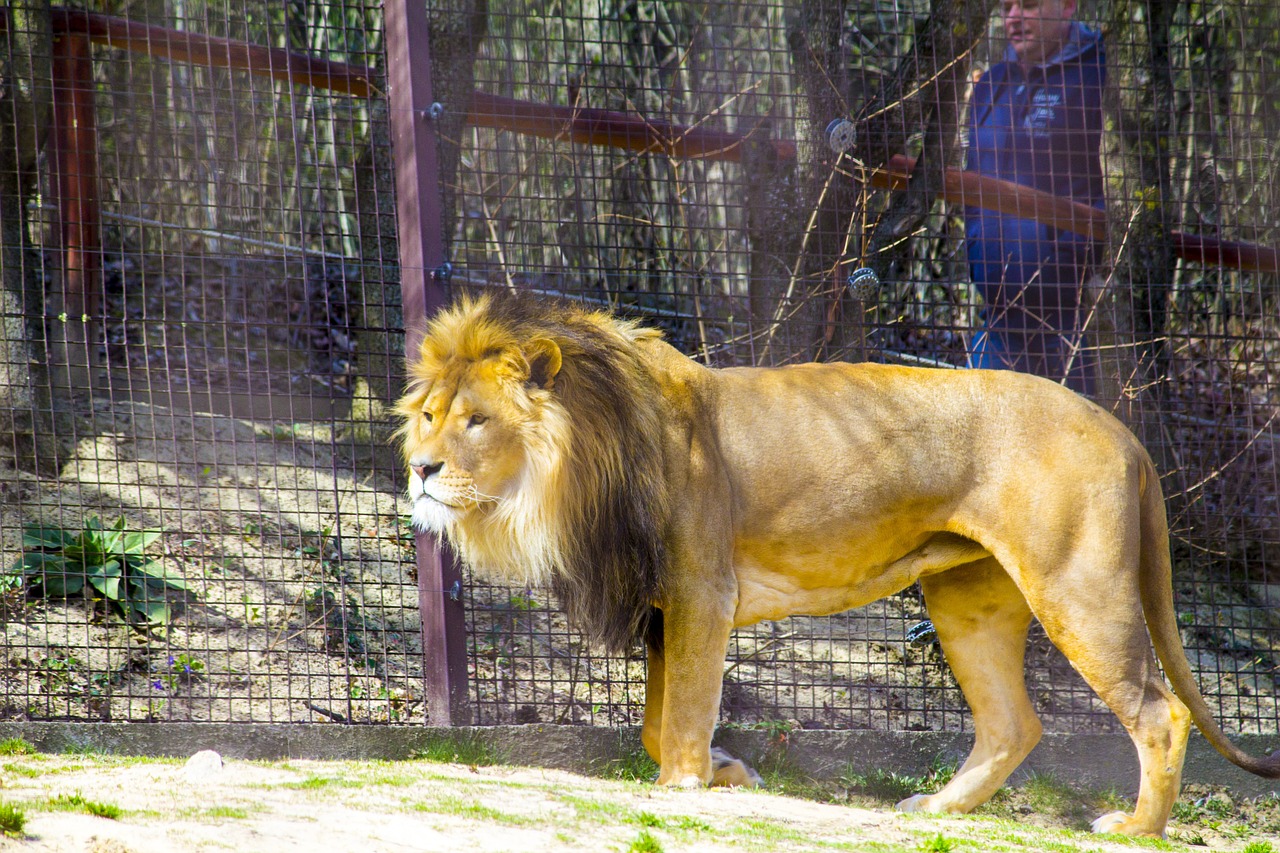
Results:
x,y
1043,111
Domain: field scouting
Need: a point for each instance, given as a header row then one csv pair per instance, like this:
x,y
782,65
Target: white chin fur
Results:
x,y
431,516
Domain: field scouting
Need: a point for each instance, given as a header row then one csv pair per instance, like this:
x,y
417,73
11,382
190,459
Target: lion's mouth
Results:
x,y
438,501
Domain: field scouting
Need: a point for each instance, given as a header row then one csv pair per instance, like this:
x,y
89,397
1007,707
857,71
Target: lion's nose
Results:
x,y
425,471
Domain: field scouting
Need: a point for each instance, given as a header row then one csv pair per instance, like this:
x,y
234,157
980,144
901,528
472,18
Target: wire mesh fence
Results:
x,y
207,261
207,290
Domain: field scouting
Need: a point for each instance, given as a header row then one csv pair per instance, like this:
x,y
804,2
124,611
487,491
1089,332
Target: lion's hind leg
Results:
x,y
1109,647
982,621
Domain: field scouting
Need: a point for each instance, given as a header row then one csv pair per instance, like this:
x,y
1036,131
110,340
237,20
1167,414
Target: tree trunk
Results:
x,y
25,103
1141,220
826,203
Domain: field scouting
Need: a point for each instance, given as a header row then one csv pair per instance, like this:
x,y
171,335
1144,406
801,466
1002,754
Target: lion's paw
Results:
x,y
728,771
1121,823
915,803
687,782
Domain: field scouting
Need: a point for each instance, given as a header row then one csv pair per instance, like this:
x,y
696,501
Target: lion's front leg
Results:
x,y
725,769
682,701
654,684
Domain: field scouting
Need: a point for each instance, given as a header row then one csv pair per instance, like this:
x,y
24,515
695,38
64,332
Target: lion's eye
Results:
x,y
477,419
426,416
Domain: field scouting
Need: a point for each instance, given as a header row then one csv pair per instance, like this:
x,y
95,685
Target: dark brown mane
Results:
x,y
613,557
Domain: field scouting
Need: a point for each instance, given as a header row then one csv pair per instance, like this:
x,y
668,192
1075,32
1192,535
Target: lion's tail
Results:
x,y
1155,578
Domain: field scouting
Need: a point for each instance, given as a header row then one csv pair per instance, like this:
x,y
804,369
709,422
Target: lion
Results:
x,y
668,502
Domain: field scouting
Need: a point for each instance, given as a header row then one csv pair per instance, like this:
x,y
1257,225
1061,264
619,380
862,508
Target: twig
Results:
x,y
761,649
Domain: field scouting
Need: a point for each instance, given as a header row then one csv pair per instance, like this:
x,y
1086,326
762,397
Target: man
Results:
x,y
1036,119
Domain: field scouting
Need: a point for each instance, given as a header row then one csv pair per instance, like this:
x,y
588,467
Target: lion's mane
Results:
x,y
589,513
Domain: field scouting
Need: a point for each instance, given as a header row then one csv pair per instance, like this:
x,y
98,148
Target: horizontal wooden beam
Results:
x,y
975,190
214,52
628,131
615,129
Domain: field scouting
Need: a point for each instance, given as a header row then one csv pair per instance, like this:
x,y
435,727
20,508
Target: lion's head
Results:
x,y
532,436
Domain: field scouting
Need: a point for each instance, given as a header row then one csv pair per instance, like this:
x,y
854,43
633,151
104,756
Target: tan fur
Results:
x,y
626,476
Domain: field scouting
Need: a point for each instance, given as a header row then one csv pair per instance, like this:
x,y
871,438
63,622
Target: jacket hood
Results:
x,y
1080,40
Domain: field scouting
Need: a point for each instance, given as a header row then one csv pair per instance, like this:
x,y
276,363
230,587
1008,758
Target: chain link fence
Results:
x,y
204,322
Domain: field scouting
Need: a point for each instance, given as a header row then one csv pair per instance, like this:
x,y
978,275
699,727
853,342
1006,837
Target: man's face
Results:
x,y
1037,28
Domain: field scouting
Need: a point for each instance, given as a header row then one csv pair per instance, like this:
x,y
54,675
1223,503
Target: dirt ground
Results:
x,y
158,806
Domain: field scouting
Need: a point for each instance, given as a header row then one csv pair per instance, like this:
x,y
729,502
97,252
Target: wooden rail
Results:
x,y
214,52
627,131
970,188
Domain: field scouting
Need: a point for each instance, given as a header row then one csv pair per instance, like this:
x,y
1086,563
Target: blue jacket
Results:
x,y
1041,128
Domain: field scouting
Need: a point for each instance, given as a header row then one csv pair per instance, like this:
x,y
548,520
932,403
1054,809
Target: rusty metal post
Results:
x,y
76,169
423,291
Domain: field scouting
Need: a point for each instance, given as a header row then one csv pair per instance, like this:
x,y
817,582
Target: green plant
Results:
x,y
16,746
60,563
645,843
462,748
1258,847
182,669
938,844
1191,838
12,819
634,766
77,803
893,786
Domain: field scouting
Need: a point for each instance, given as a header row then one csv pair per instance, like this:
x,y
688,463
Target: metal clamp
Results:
x,y
841,135
455,591
864,284
442,273
922,634
434,111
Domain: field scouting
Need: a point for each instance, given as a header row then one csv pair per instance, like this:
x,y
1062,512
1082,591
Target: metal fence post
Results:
x,y
422,257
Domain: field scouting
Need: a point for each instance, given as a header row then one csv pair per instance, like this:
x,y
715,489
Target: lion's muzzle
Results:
x,y
440,498
426,471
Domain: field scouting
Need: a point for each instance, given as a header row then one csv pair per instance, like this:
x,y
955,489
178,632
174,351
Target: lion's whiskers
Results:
x,y
480,497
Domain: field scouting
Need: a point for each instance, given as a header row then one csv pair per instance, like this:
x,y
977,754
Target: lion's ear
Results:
x,y
543,356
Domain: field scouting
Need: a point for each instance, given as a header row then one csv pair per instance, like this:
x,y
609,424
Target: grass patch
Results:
x,y
226,812
77,803
16,746
12,820
472,810
644,843
635,766
1047,796
782,777
461,748
1047,793
23,771
892,786
938,844
601,811
677,823
767,831
316,783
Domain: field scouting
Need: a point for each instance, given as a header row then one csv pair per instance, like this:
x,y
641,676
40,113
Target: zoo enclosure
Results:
x,y
674,224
